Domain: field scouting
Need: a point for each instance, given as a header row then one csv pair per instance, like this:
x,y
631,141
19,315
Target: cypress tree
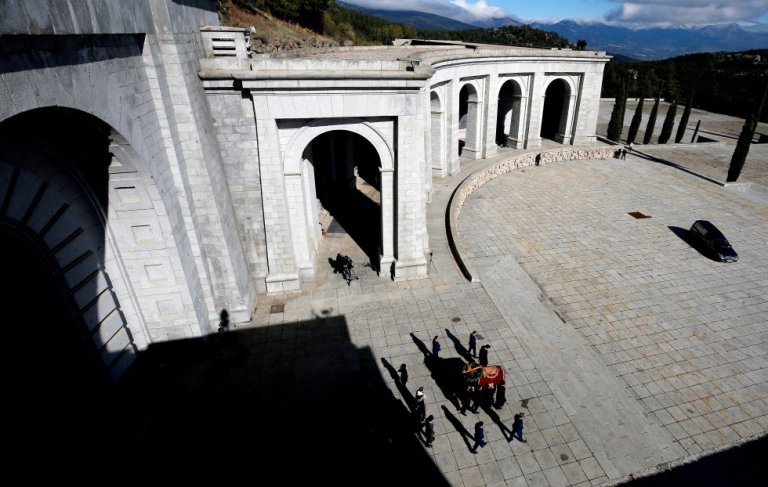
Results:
x,y
684,119
651,121
616,124
669,121
745,140
635,125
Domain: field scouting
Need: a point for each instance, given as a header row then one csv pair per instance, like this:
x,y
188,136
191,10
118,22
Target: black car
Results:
x,y
712,242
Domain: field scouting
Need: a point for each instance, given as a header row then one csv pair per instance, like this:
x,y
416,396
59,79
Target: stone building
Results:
x,y
154,174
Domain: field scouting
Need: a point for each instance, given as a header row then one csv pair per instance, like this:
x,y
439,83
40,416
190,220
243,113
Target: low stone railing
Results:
x,y
482,176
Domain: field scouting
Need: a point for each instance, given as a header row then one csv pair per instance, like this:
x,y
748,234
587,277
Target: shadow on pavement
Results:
x,y
739,466
296,403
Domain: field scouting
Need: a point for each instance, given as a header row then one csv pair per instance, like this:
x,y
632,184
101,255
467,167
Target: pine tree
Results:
x,y
616,124
669,122
745,140
684,119
635,125
651,121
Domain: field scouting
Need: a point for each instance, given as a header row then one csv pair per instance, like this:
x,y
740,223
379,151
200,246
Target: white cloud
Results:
x,y
463,10
687,12
481,9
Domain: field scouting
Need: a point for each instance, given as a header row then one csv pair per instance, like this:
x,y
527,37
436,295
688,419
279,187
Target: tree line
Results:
x,y
730,83
723,82
352,26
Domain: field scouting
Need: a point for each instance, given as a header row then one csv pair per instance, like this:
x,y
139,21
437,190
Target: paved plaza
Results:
x,y
624,345
627,349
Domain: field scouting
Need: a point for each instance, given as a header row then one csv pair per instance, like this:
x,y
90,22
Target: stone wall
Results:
x,y
235,129
173,257
59,17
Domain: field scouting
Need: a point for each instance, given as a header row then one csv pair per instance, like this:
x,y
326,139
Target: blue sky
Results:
x,y
634,13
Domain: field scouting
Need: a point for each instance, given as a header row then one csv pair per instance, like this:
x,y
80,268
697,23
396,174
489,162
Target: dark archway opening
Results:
x,y
507,112
553,109
463,107
55,382
347,171
60,388
466,112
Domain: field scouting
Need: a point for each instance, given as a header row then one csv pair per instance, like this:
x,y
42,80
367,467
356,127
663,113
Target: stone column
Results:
x,y
538,95
568,111
411,224
310,207
452,126
474,139
283,273
297,211
387,219
516,136
490,117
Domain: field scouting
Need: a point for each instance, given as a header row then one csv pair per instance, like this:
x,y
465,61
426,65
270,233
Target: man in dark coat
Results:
x,y
421,407
501,395
479,437
517,427
484,355
435,348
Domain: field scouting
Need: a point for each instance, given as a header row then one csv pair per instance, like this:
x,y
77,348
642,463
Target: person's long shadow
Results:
x,y
410,401
422,348
446,372
459,347
465,435
491,412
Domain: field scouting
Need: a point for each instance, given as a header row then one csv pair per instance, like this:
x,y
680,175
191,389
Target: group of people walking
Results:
x,y
484,395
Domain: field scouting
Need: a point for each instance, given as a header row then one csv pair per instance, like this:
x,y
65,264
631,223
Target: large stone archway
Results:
x,y
301,172
510,121
470,121
438,134
72,185
557,113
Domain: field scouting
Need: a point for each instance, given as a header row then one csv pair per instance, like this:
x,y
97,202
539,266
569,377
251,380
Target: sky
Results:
x,y
634,13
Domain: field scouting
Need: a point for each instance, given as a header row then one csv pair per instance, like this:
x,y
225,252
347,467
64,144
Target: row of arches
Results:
x,y
510,118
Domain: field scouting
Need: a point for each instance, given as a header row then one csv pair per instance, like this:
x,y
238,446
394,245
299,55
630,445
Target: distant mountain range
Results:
x,y
642,44
426,21
659,43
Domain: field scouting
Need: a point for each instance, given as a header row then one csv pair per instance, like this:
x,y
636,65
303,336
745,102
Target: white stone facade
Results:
x,y
217,171
406,101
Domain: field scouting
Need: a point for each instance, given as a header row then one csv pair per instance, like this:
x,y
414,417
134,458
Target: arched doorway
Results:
x,y
555,114
468,120
347,184
508,114
67,338
437,136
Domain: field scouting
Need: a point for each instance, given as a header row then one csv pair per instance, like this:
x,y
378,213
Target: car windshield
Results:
x,y
722,243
